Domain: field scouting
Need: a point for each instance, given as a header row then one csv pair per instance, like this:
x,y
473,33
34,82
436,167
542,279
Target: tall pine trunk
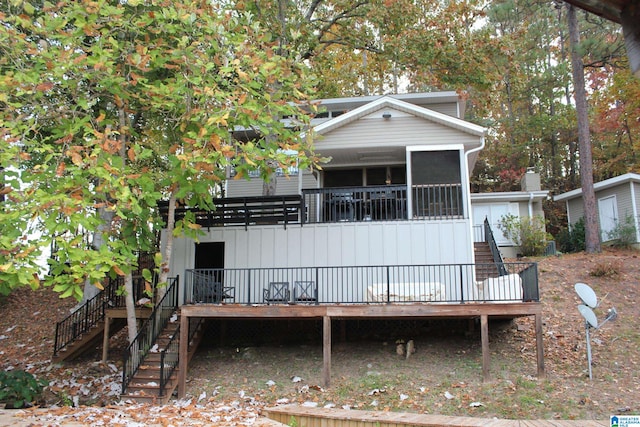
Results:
x,y
592,235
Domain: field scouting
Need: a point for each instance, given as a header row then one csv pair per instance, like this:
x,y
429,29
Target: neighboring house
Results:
x,y
526,203
618,201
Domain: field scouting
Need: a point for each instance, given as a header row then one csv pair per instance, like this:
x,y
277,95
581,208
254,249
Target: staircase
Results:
x,y
81,330
87,340
488,260
147,384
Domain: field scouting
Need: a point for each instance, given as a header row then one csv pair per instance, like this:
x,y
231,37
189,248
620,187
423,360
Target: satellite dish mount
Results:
x,y
590,301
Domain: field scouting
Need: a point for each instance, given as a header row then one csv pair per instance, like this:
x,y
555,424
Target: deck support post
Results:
x,y
484,334
183,356
326,351
539,346
105,338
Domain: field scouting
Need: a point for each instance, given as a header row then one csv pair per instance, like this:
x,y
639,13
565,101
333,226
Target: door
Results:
x,y
608,213
494,213
209,255
208,279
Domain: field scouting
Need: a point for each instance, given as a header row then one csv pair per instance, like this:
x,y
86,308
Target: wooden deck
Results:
x,y
483,311
317,417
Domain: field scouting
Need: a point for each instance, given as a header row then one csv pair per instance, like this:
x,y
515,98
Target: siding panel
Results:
x,y
372,132
349,244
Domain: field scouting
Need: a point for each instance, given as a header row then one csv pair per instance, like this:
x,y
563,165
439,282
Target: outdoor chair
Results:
x,y
305,292
208,289
277,292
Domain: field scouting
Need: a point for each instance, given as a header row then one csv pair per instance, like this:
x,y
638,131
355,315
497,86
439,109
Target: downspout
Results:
x,y
530,206
634,206
468,191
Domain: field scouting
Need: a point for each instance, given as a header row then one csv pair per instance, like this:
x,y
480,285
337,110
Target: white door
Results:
x,y
608,213
494,213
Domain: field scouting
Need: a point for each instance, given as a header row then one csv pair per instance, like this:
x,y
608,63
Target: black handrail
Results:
x,y
85,317
151,328
169,356
88,315
493,246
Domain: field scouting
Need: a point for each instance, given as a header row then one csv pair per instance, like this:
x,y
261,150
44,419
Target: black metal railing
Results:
x,y
169,355
169,360
245,211
445,283
371,203
149,331
88,315
493,246
437,201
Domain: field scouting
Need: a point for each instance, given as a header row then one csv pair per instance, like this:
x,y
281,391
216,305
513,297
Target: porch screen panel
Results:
x,y
436,184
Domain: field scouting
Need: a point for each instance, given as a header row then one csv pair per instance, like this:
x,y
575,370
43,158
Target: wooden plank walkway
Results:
x,y
320,417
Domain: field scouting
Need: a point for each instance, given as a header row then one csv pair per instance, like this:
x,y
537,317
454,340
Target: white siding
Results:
x,y
353,244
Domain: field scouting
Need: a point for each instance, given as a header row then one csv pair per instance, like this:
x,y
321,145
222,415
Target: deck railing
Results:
x,y
335,204
437,201
444,283
370,203
149,331
245,211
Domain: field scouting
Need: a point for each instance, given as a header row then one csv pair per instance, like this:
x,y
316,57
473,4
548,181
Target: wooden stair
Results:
x,y
485,266
144,387
88,340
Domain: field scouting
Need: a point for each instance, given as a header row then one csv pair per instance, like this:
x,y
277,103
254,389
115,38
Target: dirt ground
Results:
x,y
443,376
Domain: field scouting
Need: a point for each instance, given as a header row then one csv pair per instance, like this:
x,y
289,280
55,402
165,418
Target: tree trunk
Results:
x,y
168,247
592,235
106,216
132,321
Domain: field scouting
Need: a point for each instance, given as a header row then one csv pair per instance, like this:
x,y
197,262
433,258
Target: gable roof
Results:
x,y
607,183
390,102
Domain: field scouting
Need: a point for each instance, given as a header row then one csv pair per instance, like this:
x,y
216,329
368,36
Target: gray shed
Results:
x,y
618,200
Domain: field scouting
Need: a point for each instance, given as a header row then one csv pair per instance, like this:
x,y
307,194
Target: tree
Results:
x,y
592,237
118,106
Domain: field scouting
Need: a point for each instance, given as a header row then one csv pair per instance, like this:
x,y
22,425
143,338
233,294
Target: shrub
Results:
x,y
624,233
605,269
19,389
572,239
528,233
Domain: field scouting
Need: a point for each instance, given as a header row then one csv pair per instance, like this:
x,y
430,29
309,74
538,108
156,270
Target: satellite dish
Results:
x,y
587,295
589,315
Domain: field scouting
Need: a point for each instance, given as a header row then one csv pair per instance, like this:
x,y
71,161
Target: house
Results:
x,y
384,231
618,201
526,203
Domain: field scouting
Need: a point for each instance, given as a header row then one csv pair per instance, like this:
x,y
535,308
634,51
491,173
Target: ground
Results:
x,y
444,375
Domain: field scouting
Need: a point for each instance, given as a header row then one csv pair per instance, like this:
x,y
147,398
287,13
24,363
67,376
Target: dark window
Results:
x,y
435,167
343,178
376,176
398,175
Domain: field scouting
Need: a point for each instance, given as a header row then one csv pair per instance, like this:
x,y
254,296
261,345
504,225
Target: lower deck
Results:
x,y
330,313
